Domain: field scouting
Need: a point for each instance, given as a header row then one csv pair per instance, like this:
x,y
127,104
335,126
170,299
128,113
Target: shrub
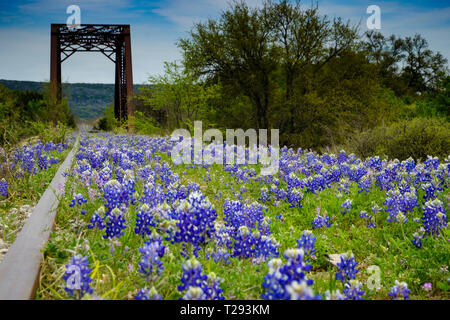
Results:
x,y
108,122
415,138
143,124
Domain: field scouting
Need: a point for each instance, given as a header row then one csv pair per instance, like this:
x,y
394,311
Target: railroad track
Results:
x,y
19,270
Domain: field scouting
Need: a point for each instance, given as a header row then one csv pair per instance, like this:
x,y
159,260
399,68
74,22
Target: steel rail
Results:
x,y
20,268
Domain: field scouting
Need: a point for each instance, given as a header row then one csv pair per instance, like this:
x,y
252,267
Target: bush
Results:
x,y
50,133
143,124
415,138
108,122
26,114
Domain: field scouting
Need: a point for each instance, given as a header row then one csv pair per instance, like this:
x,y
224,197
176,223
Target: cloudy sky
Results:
x,y
157,25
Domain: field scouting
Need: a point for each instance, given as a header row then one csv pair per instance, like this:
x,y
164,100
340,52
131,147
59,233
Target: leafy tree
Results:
x,y
178,93
237,49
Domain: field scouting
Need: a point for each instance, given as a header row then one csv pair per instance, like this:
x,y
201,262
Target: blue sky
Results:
x,y
157,25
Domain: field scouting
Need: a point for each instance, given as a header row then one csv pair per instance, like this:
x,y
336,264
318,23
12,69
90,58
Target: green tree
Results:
x,y
179,93
237,50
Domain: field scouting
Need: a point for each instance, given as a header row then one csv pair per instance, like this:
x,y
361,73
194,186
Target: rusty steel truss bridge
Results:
x,y
111,40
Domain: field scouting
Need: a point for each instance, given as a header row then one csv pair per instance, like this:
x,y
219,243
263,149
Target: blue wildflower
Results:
x,y
434,218
307,242
288,281
3,188
352,290
399,291
77,199
115,224
148,294
346,206
150,265
209,285
347,267
77,277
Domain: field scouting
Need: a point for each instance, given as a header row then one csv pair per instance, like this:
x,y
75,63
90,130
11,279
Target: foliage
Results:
x,y
29,113
178,94
415,138
86,100
143,124
108,122
285,66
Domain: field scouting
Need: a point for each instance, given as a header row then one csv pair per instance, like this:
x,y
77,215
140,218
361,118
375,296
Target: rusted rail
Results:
x,y
19,270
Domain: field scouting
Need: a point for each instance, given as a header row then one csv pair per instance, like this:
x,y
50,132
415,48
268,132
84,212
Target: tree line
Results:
x,y
321,81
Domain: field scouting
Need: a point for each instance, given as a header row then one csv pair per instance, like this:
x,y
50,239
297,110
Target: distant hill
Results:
x,y
86,100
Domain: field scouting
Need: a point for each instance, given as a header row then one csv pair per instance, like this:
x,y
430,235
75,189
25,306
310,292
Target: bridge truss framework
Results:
x,y
111,40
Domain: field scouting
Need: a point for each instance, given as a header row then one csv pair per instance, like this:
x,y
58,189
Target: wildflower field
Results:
x,y
132,225
25,173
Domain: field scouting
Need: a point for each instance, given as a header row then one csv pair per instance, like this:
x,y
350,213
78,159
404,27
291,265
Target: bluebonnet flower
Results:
x,y
398,205
346,206
343,186
347,267
222,242
196,216
151,265
221,254
3,188
144,220
209,286
301,291
400,291
244,245
375,208
97,219
115,224
431,163
153,194
321,221
43,162
148,294
307,242
434,218
213,290
375,163
194,293
334,295
370,219
417,240
294,197
111,192
352,290
288,281
265,196
192,275
77,277
409,164
356,172
430,191
342,157
315,183
251,216
365,184
77,199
